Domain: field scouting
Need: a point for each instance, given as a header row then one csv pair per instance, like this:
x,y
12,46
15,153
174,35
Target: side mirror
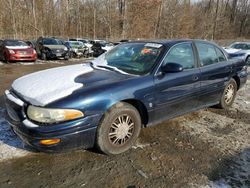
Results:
x,y
172,67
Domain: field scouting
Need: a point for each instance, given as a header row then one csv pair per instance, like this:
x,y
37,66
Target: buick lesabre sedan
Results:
x,y
106,102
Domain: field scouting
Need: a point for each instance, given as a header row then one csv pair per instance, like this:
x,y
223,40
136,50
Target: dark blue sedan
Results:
x,y
106,102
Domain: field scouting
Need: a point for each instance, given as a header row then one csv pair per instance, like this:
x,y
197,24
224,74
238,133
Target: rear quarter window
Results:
x,y
220,54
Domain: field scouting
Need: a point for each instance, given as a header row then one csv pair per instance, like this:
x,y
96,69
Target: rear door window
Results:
x,y
207,54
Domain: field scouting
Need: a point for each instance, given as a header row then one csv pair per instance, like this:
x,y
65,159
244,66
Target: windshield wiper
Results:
x,y
107,67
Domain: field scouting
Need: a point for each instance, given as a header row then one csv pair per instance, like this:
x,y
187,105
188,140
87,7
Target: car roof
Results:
x,y
12,40
172,42
240,43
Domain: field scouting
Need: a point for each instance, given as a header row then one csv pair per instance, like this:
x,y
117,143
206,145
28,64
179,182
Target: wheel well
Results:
x,y
141,109
237,80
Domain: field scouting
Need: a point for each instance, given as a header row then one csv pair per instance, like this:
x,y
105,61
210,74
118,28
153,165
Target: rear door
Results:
x,y
177,93
215,72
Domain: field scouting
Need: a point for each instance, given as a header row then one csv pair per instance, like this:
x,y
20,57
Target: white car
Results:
x,y
239,50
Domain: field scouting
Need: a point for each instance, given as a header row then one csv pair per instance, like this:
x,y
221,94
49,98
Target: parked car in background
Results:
x,y
97,49
51,48
101,46
16,50
87,43
107,46
31,43
107,102
239,50
124,40
77,48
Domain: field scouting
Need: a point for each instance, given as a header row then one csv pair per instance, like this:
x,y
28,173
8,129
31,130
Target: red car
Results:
x,y
16,50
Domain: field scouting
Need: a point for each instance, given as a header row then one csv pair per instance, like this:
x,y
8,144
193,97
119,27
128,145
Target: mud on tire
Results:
x,y
228,95
118,129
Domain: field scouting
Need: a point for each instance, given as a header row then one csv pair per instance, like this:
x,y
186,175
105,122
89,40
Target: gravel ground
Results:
x,y
209,148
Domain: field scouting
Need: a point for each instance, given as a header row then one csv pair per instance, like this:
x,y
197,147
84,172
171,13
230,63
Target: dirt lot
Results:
x,y
208,148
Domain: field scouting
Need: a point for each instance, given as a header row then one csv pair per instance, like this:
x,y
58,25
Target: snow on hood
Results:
x,y
17,47
41,88
232,50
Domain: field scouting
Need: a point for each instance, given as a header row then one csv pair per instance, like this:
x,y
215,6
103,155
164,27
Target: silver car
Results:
x,y
239,50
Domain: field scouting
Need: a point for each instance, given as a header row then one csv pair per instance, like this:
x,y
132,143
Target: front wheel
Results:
x,y
119,129
43,56
66,57
228,95
5,59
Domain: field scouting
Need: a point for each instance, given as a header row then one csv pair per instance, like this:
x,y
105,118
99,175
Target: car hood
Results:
x,y
17,47
236,51
43,87
55,46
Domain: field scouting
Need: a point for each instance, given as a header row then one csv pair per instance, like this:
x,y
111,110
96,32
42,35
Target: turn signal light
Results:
x,y
50,141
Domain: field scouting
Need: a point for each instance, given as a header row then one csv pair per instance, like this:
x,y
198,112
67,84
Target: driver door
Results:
x,y
177,93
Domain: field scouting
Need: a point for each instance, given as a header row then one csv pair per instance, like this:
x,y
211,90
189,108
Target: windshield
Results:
x,y
50,41
131,58
241,46
15,43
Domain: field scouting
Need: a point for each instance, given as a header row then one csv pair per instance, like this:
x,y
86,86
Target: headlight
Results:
x,y
11,51
65,48
50,115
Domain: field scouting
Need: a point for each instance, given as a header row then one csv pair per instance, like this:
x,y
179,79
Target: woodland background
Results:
x,y
125,19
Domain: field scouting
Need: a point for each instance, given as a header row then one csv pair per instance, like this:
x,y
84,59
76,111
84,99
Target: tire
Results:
x,y
43,56
118,129
5,59
66,57
248,61
228,95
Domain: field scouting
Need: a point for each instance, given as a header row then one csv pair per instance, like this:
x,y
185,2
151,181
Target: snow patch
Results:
x,y
10,145
41,88
237,174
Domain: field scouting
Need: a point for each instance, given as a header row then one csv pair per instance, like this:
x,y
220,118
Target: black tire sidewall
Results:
x,y
43,56
103,141
248,60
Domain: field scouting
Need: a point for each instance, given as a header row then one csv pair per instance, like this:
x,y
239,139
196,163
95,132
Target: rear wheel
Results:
x,y
119,129
228,95
248,60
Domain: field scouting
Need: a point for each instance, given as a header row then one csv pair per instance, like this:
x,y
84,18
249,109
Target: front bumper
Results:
x,y
57,54
73,134
22,57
